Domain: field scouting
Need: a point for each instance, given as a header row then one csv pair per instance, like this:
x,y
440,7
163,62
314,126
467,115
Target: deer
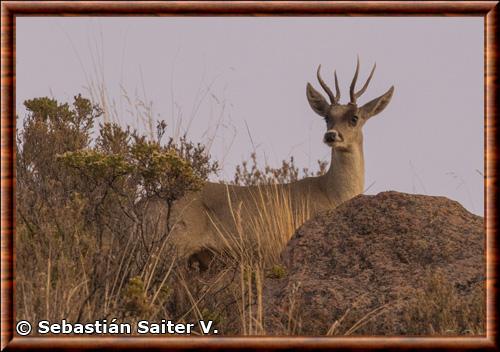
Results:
x,y
194,230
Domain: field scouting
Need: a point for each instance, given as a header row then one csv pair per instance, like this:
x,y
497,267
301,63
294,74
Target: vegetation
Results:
x,y
439,309
81,246
85,248
253,175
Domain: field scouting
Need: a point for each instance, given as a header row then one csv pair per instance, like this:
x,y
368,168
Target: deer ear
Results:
x,y
376,106
317,101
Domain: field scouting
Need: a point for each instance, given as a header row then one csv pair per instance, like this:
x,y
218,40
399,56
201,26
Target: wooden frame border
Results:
x,y
11,9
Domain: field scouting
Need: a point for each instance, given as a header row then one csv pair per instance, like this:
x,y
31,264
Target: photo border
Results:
x,y
12,9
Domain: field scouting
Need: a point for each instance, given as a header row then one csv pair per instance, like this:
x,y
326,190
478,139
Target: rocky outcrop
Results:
x,y
359,268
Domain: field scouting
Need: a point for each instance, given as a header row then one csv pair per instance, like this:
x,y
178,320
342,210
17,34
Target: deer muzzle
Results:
x,y
331,136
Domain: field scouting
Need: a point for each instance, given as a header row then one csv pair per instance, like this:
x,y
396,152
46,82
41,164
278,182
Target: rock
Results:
x,y
371,257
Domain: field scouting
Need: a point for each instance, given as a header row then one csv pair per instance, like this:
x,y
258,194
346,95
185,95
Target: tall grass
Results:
x,y
253,245
89,250
89,247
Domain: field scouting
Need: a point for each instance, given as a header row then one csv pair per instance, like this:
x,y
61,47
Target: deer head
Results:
x,y
344,122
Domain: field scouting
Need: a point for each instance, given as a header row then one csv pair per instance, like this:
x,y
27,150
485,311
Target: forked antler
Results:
x,y
333,99
355,96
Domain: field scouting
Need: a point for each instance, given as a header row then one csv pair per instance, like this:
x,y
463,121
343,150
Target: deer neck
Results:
x,y
346,176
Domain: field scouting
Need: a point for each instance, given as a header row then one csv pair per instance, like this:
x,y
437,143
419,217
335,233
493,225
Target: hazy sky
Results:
x,y
240,83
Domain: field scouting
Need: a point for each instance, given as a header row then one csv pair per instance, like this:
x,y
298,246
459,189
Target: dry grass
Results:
x,y
79,268
440,309
87,249
255,246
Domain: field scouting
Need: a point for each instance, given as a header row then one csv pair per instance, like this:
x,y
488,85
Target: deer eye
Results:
x,y
354,120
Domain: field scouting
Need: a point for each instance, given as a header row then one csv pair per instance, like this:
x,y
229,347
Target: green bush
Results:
x,y
81,247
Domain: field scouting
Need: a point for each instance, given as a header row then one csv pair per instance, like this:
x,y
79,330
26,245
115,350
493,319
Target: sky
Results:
x,y
238,86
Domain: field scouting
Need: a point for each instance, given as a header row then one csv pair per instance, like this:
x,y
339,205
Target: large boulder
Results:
x,y
381,264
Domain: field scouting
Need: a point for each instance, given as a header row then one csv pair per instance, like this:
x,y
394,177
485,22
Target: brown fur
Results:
x,y
195,215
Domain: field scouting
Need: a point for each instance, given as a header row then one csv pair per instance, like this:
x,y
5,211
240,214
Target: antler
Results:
x,y
355,96
333,99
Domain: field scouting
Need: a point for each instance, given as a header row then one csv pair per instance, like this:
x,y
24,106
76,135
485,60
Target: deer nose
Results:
x,y
330,136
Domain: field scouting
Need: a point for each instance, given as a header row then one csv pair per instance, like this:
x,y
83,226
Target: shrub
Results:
x,y
253,175
82,251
